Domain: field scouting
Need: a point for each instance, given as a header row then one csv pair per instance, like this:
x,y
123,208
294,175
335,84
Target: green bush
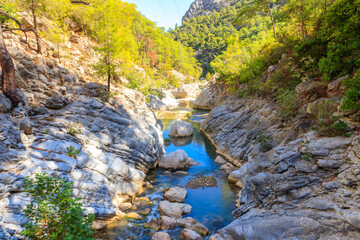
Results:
x,y
352,94
340,32
307,155
74,128
332,127
287,101
72,151
53,213
264,142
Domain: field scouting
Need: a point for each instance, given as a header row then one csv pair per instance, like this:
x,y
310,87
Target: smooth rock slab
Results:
x,y
175,194
272,227
176,210
181,129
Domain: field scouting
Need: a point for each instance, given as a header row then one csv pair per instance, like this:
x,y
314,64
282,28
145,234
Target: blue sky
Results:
x,y
166,13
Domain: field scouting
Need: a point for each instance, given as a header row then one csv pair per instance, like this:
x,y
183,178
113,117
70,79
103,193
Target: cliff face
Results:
x,y
206,7
293,183
117,140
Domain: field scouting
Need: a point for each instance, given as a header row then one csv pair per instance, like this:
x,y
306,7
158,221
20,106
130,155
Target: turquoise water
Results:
x,y
212,206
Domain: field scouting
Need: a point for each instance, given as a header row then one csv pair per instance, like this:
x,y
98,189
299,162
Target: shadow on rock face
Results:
x,y
179,142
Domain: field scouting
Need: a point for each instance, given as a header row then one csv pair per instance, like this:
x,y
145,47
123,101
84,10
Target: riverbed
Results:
x,y
212,206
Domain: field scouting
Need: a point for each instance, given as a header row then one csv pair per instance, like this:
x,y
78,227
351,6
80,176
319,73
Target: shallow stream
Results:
x,y
212,206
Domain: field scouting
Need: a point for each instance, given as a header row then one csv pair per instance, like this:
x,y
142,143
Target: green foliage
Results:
x,y
10,8
321,39
53,213
332,127
72,151
207,35
125,39
158,93
167,141
264,142
74,128
105,95
287,100
44,131
307,155
339,31
352,94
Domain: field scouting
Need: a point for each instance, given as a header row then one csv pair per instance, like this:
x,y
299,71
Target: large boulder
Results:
x,y
181,129
188,234
161,236
176,160
175,194
323,108
175,210
166,223
186,91
193,224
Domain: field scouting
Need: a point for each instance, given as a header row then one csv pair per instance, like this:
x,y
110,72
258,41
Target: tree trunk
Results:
x,y
109,80
272,19
302,21
33,10
8,73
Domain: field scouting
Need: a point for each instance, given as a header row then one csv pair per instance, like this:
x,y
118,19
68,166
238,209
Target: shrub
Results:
x,y
352,94
307,154
157,92
287,100
264,142
53,213
74,128
167,141
105,95
340,33
332,127
72,151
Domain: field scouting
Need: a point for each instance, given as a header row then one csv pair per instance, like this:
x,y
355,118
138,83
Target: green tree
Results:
x,y
112,28
256,7
53,213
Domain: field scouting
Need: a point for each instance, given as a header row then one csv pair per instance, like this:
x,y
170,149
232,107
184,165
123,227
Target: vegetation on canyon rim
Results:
x,y
320,39
125,39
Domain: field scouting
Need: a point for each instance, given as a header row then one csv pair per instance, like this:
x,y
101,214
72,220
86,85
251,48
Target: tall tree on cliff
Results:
x,y
7,65
112,25
258,6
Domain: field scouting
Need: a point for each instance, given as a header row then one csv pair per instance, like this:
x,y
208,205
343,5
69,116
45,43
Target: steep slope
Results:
x,y
208,29
294,184
118,140
206,7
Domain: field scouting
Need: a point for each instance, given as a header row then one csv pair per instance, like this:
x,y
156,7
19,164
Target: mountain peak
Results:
x,y
206,7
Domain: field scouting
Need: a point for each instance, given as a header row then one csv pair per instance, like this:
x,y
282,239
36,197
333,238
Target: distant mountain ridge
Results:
x,y
206,7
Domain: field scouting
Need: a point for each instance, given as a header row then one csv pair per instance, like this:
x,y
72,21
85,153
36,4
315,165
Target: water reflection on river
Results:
x,y
211,206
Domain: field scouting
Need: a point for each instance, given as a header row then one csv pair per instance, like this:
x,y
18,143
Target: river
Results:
x,y
212,206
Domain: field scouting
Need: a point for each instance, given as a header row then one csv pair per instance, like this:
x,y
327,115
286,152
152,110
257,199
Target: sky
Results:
x,y
166,13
